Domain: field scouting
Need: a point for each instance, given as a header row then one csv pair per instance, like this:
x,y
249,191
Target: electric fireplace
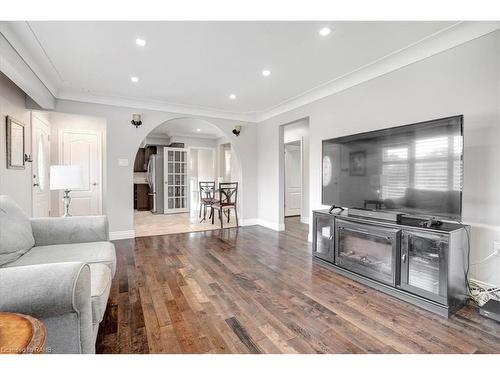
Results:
x,y
367,250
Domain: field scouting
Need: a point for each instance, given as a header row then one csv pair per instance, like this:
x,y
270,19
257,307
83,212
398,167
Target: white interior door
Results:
x,y
84,148
293,179
41,160
176,174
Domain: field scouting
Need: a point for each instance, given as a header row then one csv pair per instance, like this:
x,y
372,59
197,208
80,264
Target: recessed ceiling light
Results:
x,y
140,42
134,79
266,73
324,31
232,96
198,130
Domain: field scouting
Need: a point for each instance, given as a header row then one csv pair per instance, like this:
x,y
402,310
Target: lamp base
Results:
x,y
66,201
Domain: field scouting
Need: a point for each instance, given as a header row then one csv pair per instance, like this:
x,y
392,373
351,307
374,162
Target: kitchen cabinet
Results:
x,y
140,160
141,197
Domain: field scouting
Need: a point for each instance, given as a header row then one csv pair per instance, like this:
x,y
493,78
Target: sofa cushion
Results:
x,y
16,237
88,252
100,285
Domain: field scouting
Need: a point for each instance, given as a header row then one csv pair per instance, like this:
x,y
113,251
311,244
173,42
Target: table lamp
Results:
x,y
67,178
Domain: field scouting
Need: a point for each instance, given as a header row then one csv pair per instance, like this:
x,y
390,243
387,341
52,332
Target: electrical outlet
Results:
x,y
496,247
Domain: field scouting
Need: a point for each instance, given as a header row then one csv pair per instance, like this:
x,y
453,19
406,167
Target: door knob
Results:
x,y
94,183
36,184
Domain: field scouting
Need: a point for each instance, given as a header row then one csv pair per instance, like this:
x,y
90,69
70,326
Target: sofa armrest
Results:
x,y
74,229
41,290
56,290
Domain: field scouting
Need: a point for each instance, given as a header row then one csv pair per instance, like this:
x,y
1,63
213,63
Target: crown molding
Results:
x,y
19,72
448,38
192,135
154,105
23,40
211,137
40,67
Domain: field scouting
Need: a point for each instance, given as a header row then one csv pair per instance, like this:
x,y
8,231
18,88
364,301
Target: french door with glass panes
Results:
x,y
176,174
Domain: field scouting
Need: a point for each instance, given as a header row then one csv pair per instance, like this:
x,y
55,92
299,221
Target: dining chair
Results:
x,y
228,196
207,197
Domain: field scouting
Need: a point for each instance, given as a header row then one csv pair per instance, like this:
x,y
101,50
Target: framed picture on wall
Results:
x,y
357,163
15,144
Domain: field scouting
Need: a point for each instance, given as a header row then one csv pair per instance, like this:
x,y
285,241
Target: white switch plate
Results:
x,y
123,162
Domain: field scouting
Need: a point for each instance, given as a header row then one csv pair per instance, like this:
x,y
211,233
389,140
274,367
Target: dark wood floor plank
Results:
x,y
253,290
243,335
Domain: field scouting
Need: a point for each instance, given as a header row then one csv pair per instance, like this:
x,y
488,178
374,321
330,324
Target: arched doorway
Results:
x,y
170,163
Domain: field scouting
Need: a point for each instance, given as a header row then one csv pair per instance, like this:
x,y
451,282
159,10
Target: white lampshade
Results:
x,y
66,177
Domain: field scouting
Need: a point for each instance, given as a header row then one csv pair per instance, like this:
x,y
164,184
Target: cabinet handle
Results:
x,y
403,258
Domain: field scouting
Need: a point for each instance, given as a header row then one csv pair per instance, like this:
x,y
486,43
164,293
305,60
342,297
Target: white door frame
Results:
x,y
98,133
301,141
33,172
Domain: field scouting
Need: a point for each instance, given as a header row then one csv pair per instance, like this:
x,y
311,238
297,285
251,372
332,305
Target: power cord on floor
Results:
x,y
477,293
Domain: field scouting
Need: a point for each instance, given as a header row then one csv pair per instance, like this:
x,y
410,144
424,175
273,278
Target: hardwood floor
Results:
x,y
294,228
253,290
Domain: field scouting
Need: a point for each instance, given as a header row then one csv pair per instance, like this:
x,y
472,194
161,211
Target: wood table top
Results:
x,y
21,334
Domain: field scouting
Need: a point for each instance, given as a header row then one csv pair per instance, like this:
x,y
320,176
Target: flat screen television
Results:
x,y
415,169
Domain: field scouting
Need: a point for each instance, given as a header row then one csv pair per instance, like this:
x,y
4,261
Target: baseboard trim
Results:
x,y
121,235
268,224
248,222
483,284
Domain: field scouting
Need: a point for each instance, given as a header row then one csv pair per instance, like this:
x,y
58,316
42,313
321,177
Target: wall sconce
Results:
x,y
136,120
237,130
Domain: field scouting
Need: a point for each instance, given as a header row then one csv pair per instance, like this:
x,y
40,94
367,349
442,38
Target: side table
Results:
x,y
21,334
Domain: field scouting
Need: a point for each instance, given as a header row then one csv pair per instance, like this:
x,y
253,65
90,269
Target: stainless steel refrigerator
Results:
x,y
156,181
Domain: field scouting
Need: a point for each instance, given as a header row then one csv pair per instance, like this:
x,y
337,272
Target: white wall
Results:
x,y
123,140
15,183
296,131
59,121
194,141
205,164
155,141
463,80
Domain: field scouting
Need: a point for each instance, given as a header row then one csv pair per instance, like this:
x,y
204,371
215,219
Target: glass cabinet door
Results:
x,y
423,264
323,245
367,250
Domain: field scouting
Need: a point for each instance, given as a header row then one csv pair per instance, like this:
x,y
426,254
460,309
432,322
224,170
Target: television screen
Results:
x,y
415,169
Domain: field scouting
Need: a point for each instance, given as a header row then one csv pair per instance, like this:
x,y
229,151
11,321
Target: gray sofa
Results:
x,y
58,270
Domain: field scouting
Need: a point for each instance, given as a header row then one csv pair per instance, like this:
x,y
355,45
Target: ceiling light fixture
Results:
x,y
324,31
198,130
266,73
140,42
134,79
232,96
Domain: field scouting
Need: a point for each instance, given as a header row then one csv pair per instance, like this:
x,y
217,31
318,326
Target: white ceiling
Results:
x,y
198,64
186,127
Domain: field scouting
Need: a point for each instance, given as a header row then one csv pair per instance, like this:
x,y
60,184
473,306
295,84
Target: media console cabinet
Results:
x,y
422,266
